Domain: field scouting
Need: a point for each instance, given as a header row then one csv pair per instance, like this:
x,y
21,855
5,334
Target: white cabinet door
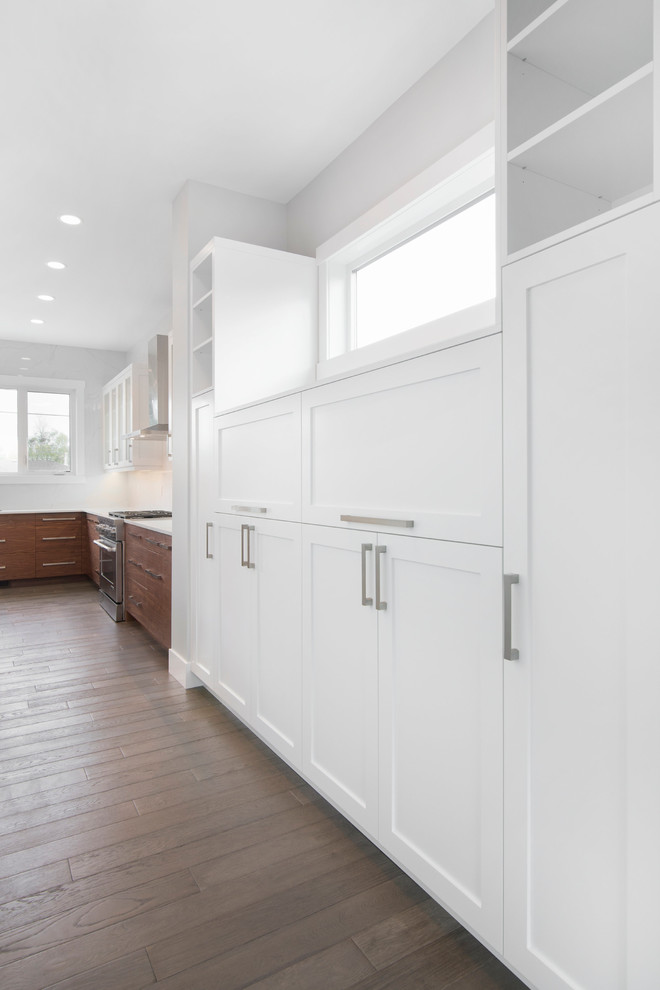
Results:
x,y
204,569
582,530
265,317
418,443
440,687
276,636
340,672
258,451
235,615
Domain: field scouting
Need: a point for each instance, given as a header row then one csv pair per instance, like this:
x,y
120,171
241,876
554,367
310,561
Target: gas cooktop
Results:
x,y
141,514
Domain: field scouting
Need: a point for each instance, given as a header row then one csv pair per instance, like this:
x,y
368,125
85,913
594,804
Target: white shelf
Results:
x,y
522,13
202,276
204,345
202,299
589,44
605,148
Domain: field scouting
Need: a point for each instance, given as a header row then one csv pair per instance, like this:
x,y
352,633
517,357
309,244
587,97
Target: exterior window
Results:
x,y
442,270
39,428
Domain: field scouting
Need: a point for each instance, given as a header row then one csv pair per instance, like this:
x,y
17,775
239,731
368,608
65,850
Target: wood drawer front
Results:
x,y
59,563
59,547
17,531
149,569
151,607
15,566
62,529
149,539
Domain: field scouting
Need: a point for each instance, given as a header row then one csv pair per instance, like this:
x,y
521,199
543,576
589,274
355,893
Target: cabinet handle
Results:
x,y
45,538
380,604
152,574
58,563
157,543
248,508
365,549
135,602
59,518
134,563
3,567
209,526
245,559
508,580
374,521
3,541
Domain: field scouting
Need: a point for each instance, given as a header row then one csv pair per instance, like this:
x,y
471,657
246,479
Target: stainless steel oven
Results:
x,y
110,541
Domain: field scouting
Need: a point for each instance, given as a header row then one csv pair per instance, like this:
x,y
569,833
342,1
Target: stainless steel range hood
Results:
x,y
157,424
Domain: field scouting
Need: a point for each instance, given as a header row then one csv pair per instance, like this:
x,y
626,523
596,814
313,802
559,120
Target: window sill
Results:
x,y
457,328
46,479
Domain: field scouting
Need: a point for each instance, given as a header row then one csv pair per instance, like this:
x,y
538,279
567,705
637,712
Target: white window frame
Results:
x,y
76,390
461,177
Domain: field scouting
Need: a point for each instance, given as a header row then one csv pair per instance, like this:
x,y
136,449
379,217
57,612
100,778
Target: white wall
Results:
x,y
451,102
95,368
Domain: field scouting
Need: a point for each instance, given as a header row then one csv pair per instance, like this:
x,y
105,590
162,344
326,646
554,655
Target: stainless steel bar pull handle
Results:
x,y
249,508
509,652
209,527
380,604
378,521
245,532
366,547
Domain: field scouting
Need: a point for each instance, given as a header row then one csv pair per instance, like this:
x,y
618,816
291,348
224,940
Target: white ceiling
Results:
x,y
109,106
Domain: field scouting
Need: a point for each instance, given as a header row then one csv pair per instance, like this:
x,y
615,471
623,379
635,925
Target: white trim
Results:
x,y
181,670
462,176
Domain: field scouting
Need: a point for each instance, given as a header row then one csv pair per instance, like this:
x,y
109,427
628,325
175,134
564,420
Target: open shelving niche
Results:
x,y
579,115
201,323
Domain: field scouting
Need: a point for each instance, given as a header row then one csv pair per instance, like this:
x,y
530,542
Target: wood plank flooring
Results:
x,y
147,838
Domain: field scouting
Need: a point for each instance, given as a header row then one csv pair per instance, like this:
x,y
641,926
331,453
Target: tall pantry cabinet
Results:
x,y
581,366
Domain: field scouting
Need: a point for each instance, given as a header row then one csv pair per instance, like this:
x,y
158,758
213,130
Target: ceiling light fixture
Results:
x,y
70,219
56,264
46,298
36,321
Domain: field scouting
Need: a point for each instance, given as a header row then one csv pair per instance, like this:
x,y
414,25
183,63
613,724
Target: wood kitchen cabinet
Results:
x,y
90,550
148,580
58,544
17,546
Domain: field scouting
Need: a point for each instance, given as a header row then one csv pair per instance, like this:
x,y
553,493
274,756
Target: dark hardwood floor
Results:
x,y
147,838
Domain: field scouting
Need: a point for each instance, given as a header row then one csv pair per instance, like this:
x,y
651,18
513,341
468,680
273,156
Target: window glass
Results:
x,y
445,269
8,430
48,437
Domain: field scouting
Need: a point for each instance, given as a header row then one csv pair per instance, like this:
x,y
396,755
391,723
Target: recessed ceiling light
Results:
x,y
26,359
70,219
55,264
46,298
36,321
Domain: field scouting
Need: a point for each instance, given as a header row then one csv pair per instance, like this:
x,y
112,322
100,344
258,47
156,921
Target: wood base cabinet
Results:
x,y
582,531
148,575
17,544
258,659
402,705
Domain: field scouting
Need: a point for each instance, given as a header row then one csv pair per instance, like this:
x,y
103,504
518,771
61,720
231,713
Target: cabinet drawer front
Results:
x,y
19,542
148,569
62,530
14,566
416,443
258,465
59,548
148,539
46,520
58,564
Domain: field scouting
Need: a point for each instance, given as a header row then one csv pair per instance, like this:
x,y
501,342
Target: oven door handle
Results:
x,y
112,547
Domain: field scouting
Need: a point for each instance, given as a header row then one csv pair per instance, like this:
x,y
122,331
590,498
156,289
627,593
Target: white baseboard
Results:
x,y
181,670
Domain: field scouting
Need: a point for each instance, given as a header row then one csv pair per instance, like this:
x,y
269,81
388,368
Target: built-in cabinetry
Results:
x,y
125,401
58,544
148,580
204,574
17,543
90,549
578,95
253,322
582,531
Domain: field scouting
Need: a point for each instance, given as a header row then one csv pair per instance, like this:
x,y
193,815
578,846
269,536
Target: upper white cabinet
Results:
x,y
582,531
124,412
254,321
578,120
415,447
258,459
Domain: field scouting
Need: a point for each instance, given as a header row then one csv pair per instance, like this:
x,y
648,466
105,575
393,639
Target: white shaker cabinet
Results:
x,y
203,552
402,680
258,458
259,641
440,691
417,443
582,531
265,320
